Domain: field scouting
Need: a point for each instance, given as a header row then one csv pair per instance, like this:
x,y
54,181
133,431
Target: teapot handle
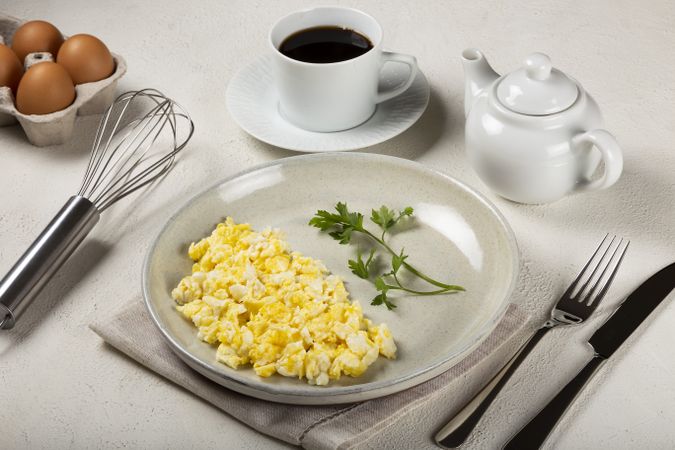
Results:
x,y
611,155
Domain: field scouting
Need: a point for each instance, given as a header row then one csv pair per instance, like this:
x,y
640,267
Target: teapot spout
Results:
x,y
478,75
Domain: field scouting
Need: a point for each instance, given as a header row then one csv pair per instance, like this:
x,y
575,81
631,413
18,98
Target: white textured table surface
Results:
x,y
60,387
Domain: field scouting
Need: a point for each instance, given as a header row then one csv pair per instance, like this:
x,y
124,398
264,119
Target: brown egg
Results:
x,y
36,36
86,59
45,88
10,68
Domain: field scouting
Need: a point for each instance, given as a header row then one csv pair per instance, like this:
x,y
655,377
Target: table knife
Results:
x,y
606,340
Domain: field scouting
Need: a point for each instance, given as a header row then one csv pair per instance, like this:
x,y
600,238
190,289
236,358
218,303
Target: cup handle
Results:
x,y
398,58
611,155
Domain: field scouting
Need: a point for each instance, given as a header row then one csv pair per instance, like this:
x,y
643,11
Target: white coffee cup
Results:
x,y
333,96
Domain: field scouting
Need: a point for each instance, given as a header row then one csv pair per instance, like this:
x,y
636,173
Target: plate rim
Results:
x,y
301,149
331,394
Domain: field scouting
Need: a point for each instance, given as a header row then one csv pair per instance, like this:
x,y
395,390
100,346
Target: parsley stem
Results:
x,y
412,291
400,287
446,287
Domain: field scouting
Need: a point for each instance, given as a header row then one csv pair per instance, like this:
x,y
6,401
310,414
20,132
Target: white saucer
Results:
x,y
253,103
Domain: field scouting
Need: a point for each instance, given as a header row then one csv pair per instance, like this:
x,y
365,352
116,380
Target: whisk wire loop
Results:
x,y
133,149
128,153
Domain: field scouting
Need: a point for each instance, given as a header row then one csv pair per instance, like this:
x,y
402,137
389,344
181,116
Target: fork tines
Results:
x,y
599,271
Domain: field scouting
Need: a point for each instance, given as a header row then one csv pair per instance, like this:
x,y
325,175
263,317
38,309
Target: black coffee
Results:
x,y
325,45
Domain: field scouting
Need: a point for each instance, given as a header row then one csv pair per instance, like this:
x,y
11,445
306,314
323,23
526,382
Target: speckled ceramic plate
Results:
x,y
457,236
254,104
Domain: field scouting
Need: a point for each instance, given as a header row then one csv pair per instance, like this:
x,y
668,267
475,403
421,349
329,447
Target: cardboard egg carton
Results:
x,y
57,127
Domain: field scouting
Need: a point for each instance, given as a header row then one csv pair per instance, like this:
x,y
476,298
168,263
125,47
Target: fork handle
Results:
x,y
534,434
460,427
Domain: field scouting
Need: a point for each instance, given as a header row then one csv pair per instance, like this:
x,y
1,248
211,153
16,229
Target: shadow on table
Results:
x,y
638,199
75,270
410,144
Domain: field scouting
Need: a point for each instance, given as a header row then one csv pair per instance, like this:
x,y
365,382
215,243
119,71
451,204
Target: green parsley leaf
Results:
x,y
324,220
382,299
381,285
397,261
342,234
384,217
359,267
342,209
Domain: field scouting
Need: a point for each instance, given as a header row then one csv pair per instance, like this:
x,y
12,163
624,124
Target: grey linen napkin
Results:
x,y
131,331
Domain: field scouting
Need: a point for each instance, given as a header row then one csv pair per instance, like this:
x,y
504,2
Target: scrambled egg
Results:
x,y
277,310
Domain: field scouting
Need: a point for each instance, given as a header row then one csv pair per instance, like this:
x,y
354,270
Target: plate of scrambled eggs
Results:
x,y
251,296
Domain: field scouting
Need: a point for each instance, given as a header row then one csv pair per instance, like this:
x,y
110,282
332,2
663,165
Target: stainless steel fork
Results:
x,y
576,305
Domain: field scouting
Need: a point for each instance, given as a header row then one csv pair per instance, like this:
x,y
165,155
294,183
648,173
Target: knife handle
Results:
x,y
462,424
533,435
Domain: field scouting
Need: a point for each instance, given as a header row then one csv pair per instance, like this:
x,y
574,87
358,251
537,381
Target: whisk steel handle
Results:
x,y
44,257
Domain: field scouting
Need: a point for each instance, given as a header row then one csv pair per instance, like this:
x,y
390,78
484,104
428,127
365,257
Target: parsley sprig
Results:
x,y
342,224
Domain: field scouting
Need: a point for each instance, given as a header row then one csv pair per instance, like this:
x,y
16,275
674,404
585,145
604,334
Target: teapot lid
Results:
x,y
537,88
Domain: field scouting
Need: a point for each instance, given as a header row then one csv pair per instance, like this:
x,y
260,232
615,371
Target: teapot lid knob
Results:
x,y
537,88
538,66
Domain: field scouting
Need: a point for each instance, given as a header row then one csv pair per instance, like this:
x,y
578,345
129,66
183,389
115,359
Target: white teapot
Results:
x,y
532,135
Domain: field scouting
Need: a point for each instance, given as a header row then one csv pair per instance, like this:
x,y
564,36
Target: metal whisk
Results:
x,y
136,143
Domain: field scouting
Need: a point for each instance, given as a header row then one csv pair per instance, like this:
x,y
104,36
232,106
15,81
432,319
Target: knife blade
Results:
x,y
632,312
605,342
